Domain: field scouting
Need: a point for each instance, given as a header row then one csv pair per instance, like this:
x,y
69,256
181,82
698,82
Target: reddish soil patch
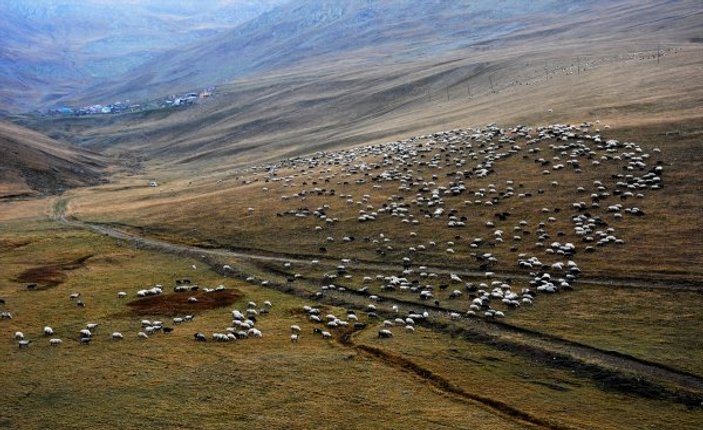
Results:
x,y
177,303
50,275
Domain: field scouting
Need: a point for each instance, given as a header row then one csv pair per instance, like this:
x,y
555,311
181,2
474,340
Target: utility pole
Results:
x,y
490,80
447,93
578,65
658,52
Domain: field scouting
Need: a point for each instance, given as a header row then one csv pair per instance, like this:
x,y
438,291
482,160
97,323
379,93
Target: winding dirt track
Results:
x,y
492,331
259,255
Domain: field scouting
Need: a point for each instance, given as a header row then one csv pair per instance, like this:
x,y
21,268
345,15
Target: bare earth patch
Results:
x,y
177,303
50,275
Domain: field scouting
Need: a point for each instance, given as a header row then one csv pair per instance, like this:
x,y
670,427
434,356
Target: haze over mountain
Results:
x,y
372,32
51,48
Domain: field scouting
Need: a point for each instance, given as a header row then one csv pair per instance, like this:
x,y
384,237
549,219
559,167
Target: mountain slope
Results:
x,y
54,47
36,164
370,32
586,65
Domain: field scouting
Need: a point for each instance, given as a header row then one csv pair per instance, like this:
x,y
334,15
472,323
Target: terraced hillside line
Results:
x,y
522,338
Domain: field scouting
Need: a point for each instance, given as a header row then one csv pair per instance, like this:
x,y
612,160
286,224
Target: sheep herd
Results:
x,y
438,180
442,183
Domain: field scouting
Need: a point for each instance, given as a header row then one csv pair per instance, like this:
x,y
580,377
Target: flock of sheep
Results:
x,y
428,179
432,180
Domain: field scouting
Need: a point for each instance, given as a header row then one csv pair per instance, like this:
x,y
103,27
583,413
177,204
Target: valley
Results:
x,y
373,222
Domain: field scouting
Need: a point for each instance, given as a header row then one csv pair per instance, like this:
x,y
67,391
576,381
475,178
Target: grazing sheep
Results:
x,y
142,335
326,335
48,331
85,340
384,334
295,328
117,335
294,338
199,337
121,295
24,343
19,335
55,342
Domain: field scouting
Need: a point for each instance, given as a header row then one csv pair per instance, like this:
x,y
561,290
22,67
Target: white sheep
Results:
x,y
55,342
117,335
48,331
384,334
143,335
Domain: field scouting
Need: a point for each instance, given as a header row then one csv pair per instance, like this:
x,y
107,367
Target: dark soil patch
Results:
x,y
177,303
50,275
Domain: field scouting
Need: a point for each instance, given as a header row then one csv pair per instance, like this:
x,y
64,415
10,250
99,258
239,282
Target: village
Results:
x,y
126,106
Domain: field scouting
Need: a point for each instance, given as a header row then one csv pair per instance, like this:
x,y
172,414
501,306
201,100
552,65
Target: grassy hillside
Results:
x,y
35,164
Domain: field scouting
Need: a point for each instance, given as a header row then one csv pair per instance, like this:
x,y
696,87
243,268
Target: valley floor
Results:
x,y
619,351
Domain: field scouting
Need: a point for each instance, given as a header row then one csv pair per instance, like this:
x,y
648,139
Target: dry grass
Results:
x,y
560,396
666,235
172,381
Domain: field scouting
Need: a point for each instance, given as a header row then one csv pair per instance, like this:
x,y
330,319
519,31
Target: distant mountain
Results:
x,y
34,164
316,75
53,47
375,31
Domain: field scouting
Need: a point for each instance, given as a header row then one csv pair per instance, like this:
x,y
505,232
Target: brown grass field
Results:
x,y
427,379
623,350
489,377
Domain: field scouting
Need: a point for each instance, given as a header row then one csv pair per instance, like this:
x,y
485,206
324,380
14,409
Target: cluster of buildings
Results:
x,y
186,99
